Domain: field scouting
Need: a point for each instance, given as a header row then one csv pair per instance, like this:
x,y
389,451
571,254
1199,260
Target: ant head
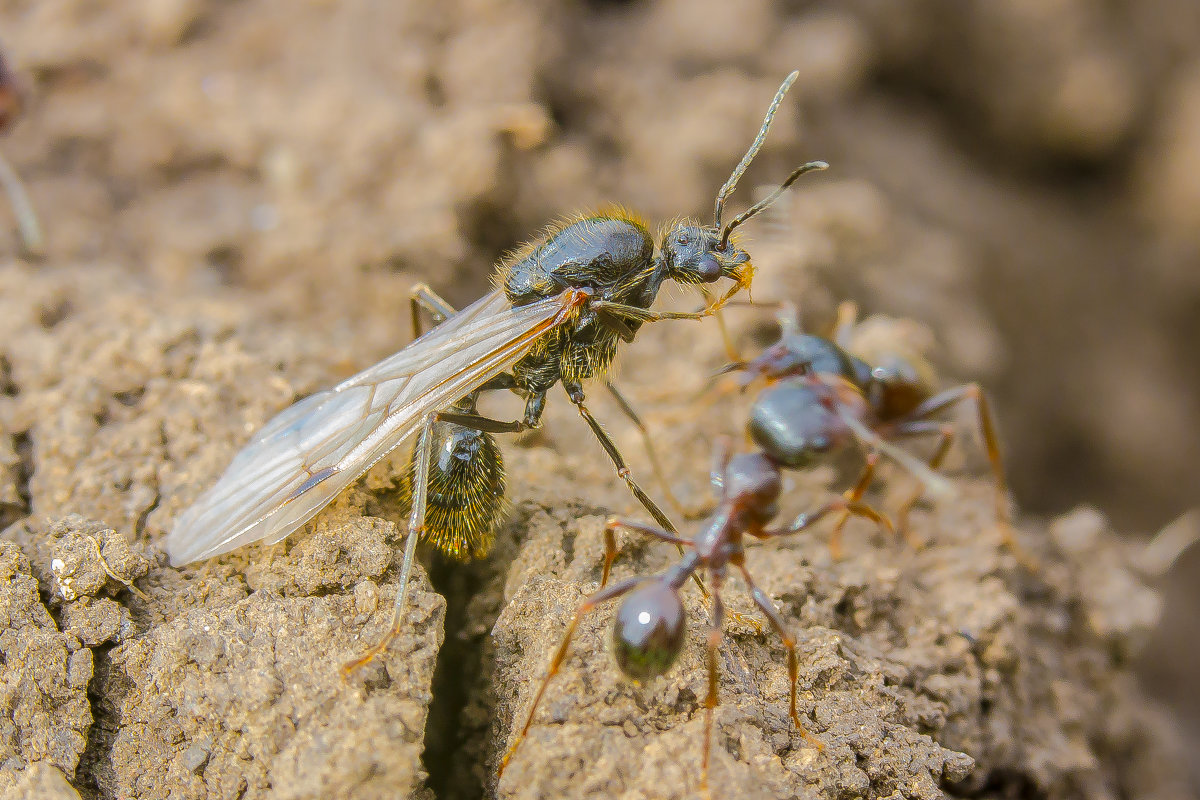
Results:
x,y
795,422
901,374
694,254
648,631
753,484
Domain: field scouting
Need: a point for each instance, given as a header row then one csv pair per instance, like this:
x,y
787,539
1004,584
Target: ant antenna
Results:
x,y
755,146
740,169
811,166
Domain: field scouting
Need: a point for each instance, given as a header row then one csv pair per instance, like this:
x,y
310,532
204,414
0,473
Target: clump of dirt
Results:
x,y
236,200
45,679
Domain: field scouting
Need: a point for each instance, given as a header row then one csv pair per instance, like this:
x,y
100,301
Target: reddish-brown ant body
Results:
x,y
648,634
828,390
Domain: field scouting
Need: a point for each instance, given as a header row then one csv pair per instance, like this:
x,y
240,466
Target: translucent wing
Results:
x,y
308,453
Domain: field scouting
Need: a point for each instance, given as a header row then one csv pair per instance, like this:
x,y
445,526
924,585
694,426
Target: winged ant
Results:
x,y
561,306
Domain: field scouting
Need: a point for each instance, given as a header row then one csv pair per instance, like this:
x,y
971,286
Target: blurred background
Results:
x,y
1023,177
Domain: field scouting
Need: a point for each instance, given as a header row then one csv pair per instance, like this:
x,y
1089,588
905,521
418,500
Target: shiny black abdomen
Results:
x,y
794,423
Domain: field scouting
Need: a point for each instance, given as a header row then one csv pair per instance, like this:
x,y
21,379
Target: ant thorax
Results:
x,y
611,253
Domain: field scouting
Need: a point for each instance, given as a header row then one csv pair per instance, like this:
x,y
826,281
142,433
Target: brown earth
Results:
x,y
237,198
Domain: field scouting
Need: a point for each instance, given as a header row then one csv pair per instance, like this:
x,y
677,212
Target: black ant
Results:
x,y
649,629
829,395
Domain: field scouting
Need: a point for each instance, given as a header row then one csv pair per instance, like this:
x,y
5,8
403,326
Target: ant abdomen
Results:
x,y
465,499
795,423
648,631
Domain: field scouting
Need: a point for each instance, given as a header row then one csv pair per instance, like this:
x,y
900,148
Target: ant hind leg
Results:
x,y
991,440
772,614
560,655
713,644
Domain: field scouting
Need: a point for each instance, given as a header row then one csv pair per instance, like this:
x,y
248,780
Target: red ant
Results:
x,y
650,623
828,395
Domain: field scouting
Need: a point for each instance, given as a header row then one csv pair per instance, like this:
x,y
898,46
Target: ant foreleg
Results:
x,y
731,351
609,308
772,614
560,655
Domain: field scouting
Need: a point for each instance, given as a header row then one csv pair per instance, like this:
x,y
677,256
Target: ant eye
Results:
x,y
648,631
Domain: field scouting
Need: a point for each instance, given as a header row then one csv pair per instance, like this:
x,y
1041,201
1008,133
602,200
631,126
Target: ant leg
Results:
x,y
128,584
648,442
991,441
610,539
847,318
416,525
810,518
715,623
27,220
575,392
852,495
422,296
720,465
772,614
731,351
946,437
560,655
622,310
481,423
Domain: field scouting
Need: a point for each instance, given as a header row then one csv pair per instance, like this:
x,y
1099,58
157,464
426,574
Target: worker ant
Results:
x,y
819,397
830,390
648,634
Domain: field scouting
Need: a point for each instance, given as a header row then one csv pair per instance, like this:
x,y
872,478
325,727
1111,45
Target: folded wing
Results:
x,y
308,453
